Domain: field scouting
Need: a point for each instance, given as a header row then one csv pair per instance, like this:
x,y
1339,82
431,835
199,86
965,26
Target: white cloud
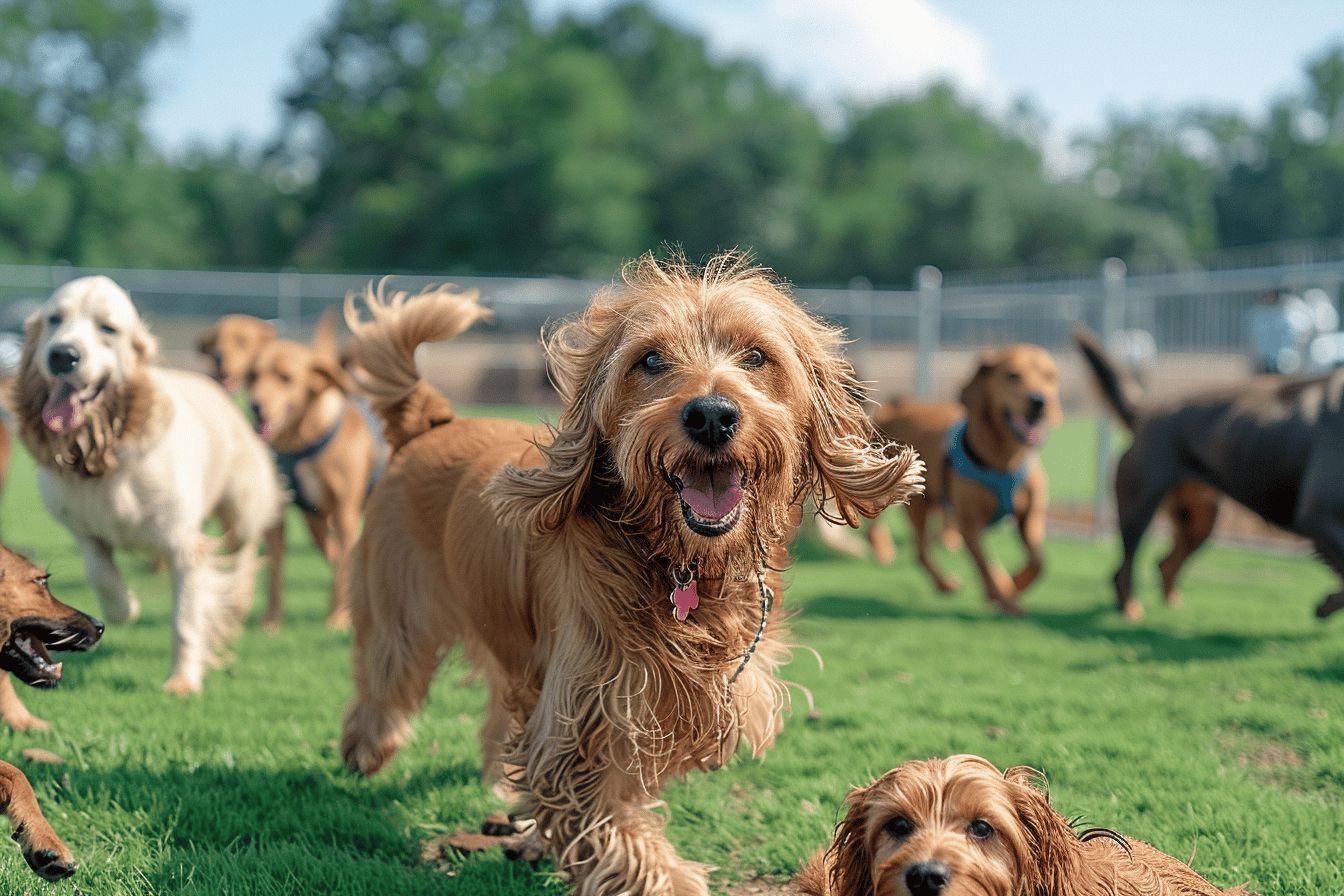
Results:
x,y
857,49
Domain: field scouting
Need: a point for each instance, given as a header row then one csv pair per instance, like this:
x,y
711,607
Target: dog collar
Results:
x,y
685,597
1003,485
287,463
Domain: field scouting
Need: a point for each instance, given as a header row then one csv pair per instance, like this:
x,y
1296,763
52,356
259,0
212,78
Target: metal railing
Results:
x,y
905,340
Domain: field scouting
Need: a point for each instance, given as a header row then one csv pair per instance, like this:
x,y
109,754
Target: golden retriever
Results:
x,y
133,456
326,453
616,580
960,827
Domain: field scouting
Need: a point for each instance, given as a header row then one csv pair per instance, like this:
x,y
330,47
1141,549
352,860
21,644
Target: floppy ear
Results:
x,y
325,372
854,467
973,393
1054,860
851,865
542,498
205,343
29,390
143,342
325,341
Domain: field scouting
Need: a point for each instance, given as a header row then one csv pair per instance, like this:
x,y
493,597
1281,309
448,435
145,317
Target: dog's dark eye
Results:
x,y
41,581
652,362
981,829
54,320
900,827
753,359
1014,377
108,329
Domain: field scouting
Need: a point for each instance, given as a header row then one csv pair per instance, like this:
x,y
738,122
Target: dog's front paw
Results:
x,y
181,686
338,620
528,847
51,864
1332,604
27,722
1133,610
123,612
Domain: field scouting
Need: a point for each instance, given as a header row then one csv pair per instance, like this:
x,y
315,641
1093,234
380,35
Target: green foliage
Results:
x,y
465,135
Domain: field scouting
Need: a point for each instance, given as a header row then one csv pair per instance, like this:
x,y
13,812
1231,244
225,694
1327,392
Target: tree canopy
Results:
x,y
467,136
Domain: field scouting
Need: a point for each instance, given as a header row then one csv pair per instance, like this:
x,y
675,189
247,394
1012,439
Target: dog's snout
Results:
x,y
710,419
927,878
1035,406
98,626
256,411
63,359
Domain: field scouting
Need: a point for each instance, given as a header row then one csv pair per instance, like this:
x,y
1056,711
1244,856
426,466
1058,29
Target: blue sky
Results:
x,y
223,75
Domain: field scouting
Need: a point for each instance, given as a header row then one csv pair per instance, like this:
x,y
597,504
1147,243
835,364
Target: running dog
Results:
x,y
326,453
616,579
1271,443
982,464
134,456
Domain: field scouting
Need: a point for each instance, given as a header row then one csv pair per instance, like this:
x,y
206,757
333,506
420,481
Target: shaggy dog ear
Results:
x,y
859,472
973,393
205,343
1054,860
325,371
542,498
29,390
146,347
851,865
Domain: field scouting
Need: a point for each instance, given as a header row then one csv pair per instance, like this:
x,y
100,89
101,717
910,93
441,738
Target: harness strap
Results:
x,y
1003,485
287,462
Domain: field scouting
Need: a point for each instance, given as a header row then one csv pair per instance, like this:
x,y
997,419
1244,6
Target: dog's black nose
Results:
x,y
256,411
1035,406
63,359
927,878
97,626
710,419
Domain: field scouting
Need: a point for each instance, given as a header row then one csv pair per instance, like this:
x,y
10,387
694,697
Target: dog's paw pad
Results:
x,y
49,864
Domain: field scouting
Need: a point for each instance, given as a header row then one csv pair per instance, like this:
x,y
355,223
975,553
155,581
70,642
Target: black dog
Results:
x,y
1272,443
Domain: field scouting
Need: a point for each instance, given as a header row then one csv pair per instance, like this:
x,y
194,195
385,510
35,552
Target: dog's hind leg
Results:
x,y
275,582
193,595
1137,498
1194,511
396,652
119,604
44,852
918,511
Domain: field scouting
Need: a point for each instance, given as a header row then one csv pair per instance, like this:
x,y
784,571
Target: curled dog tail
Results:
x,y
1114,386
384,347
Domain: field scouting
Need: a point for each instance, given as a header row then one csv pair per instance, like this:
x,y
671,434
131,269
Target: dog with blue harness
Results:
x,y
328,450
982,465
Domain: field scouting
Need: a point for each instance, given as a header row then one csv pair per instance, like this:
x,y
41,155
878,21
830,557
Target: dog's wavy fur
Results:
x,y
1032,850
548,554
155,454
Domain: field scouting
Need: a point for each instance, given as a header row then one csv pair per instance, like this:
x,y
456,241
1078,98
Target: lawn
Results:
x,y
1215,730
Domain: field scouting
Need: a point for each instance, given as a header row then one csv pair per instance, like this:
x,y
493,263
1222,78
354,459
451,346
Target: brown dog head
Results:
x,y
702,404
232,345
33,623
285,380
1016,390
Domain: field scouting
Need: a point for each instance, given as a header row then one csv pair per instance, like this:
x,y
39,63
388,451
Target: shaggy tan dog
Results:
x,y
961,827
232,345
615,579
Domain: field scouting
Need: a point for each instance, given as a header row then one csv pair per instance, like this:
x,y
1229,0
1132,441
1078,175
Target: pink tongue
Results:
x,y
712,495
265,430
1035,435
63,411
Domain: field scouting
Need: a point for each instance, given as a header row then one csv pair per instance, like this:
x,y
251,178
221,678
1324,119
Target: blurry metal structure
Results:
x,y
903,336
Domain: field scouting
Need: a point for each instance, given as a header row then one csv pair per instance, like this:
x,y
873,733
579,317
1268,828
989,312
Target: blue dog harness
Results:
x,y
287,462
1003,485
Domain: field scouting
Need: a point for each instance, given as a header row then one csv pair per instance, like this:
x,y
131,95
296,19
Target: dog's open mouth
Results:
x,y
265,429
27,652
1027,432
711,498
67,405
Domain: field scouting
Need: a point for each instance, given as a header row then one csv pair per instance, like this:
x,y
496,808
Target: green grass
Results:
x,y
1216,729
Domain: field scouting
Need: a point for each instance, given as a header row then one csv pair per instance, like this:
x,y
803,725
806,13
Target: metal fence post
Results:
x,y
928,327
289,301
1112,320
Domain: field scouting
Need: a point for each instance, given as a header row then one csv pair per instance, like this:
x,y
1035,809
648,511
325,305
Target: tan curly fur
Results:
x,y
548,553
1031,850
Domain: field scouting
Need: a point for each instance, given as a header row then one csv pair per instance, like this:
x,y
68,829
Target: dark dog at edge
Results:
x,y
1274,444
